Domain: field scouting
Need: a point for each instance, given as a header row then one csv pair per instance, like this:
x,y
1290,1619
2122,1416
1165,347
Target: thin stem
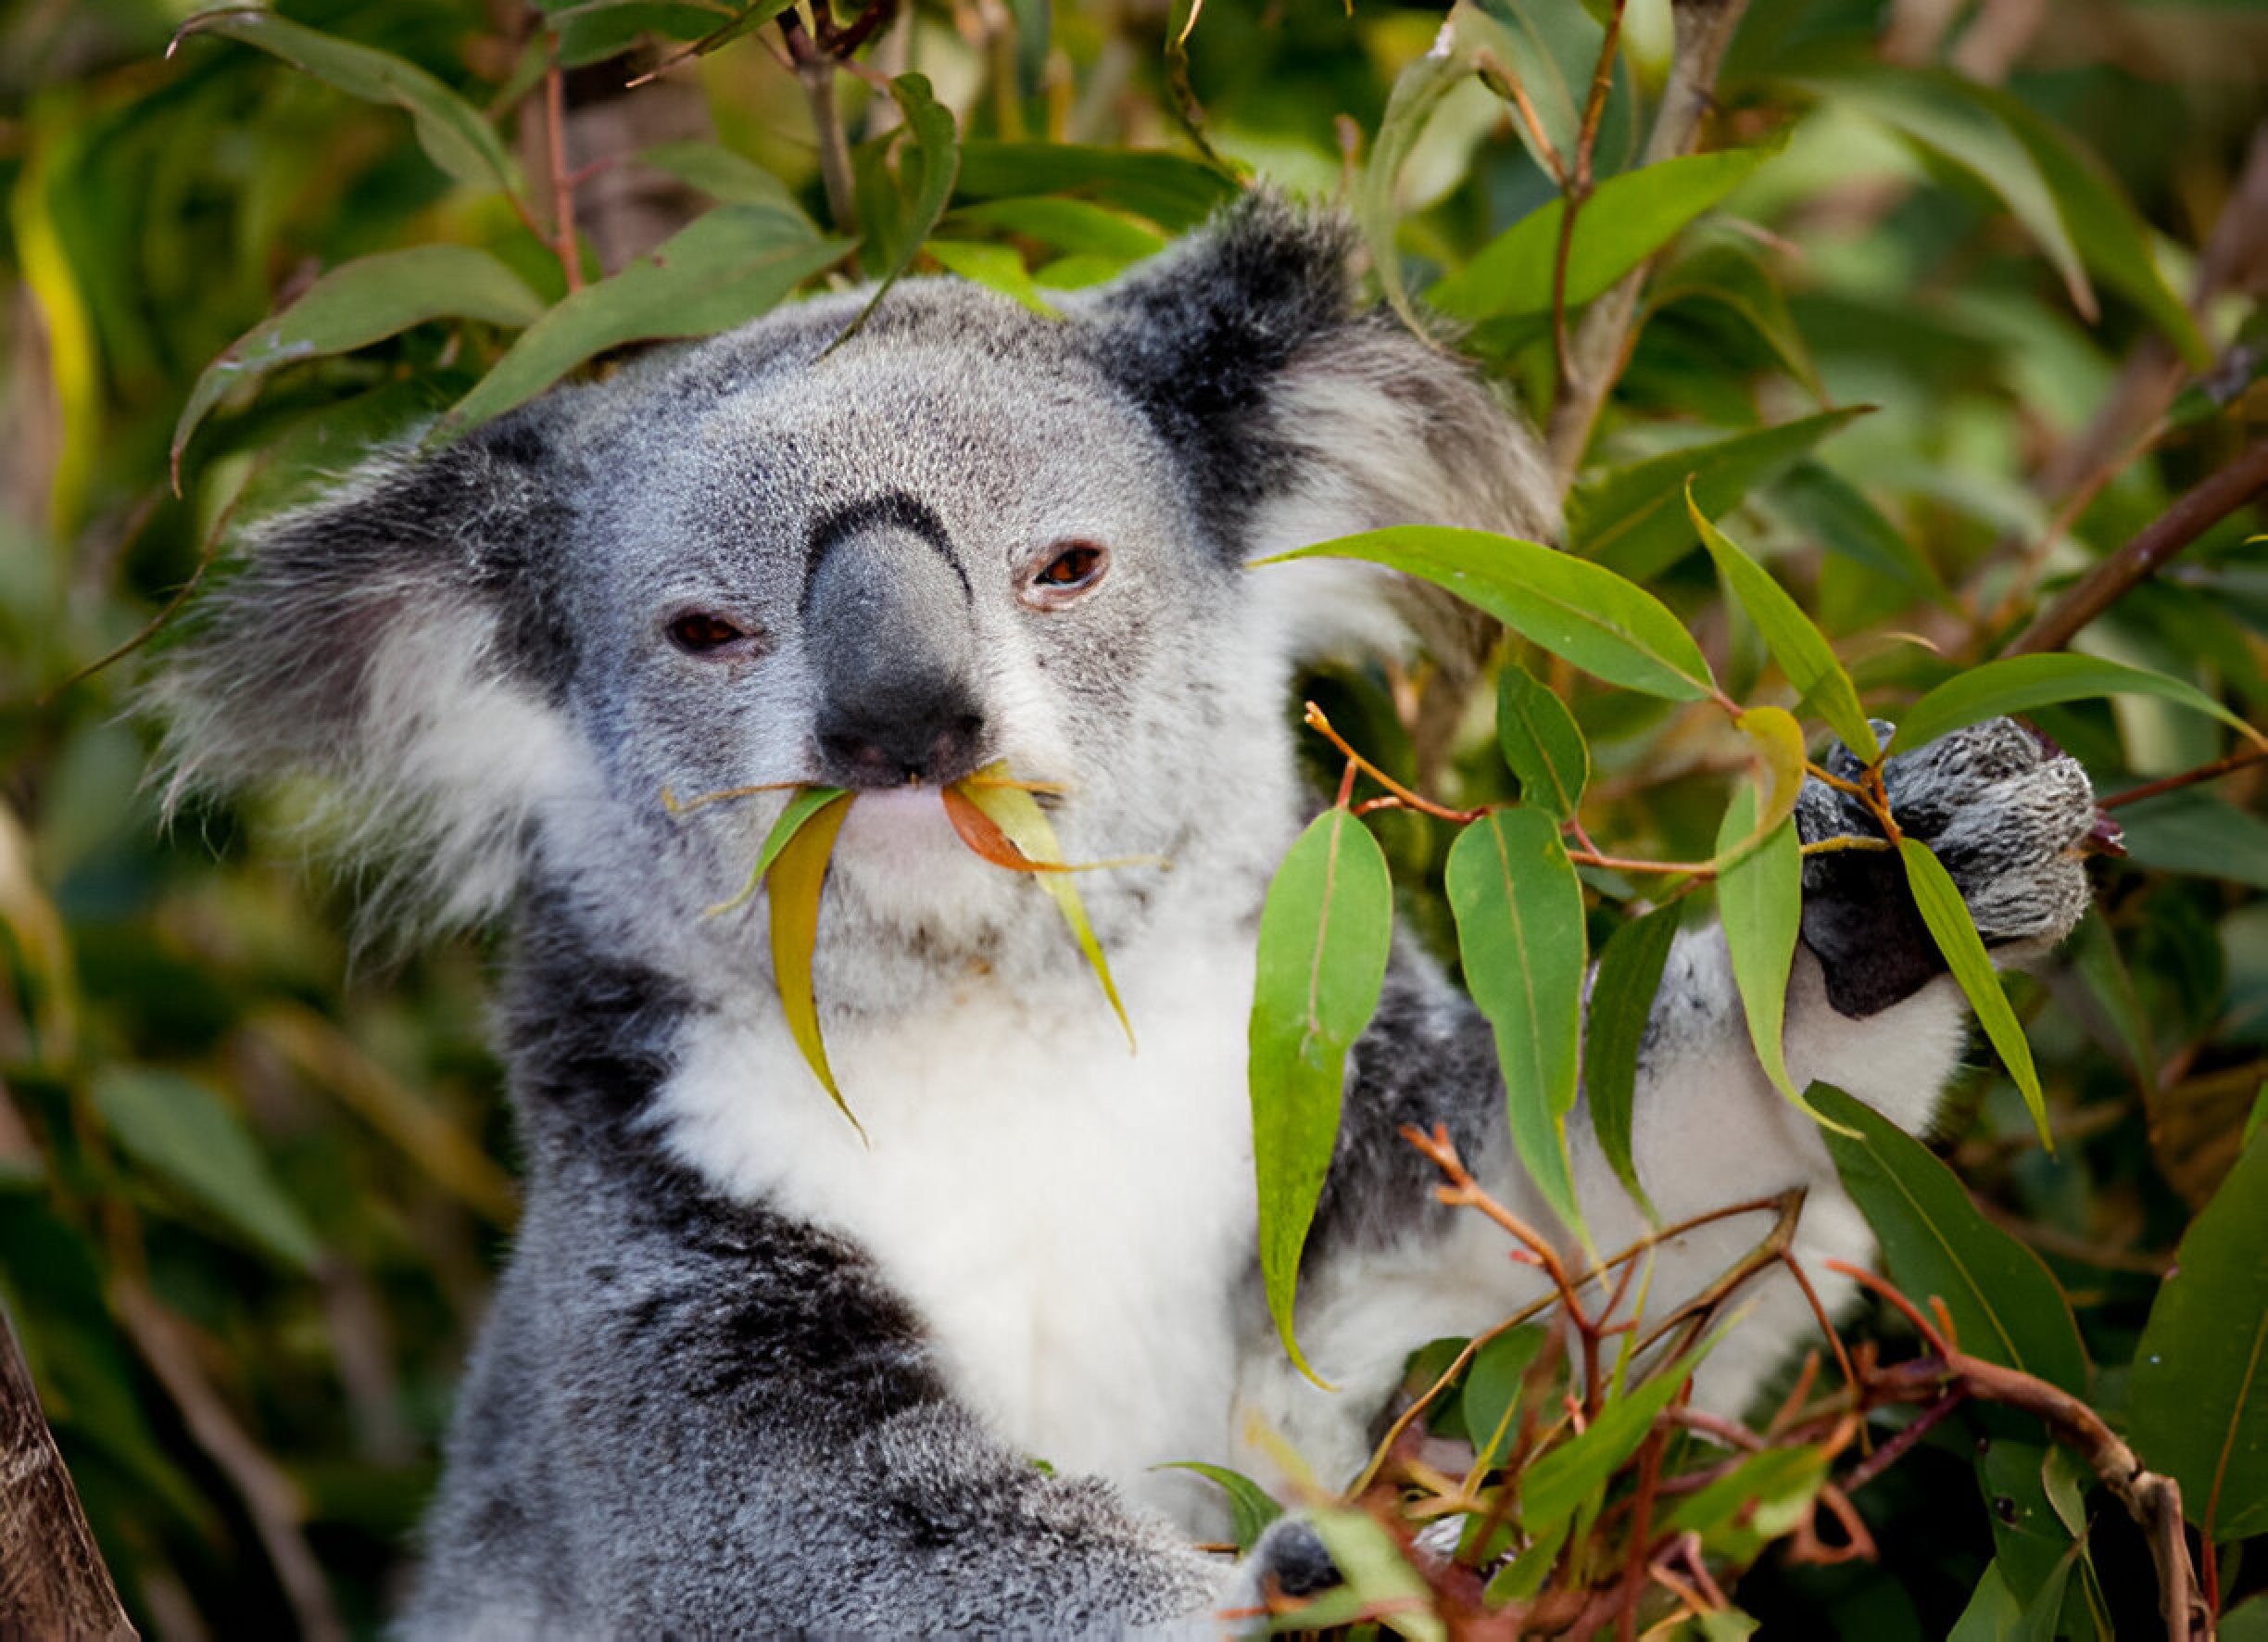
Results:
x,y
1315,721
815,70
2256,754
1576,192
562,184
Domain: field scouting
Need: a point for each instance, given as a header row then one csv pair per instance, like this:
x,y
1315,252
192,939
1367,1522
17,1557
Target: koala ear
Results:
x,y
1302,417
401,640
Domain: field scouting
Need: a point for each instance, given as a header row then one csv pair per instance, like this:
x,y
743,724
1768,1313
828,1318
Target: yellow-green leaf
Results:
x,y
1956,933
1542,742
1759,901
802,805
797,873
1018,815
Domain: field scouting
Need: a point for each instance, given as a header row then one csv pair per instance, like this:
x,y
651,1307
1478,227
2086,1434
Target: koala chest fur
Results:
x,y
1070,1219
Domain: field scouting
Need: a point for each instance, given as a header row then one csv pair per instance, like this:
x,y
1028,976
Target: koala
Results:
x,y
750,1372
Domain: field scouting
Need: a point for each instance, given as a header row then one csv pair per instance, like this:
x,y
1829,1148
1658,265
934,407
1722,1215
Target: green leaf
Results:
x,y
1836,514
1251,1508
1993,1613
1760,902
1575,1471
183,1132
1379,1577
2198,1398
1795,643
1541,742
2032,1544
1628,219
728,178
2017,684
1520,919
450,130
1170,191
929,171
593,33
356,303
797,875
1630,972
1493,1385
1955,931
1417,92
1760,1498
1633,520
995,267
1018,815
1325,932
1587,614
1550,50
802,804
1071,225
2005,1306
720,270
2197,832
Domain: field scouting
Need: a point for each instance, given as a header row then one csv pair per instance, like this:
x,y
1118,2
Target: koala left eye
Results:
x,y
1072,568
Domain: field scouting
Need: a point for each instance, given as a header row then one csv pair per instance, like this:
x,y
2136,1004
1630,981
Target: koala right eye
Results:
x,y
699,632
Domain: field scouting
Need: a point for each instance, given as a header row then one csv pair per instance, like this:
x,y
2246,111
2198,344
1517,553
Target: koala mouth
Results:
x,y
1000,818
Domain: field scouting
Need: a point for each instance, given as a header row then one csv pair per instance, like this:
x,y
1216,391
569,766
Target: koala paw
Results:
x,y
2002,807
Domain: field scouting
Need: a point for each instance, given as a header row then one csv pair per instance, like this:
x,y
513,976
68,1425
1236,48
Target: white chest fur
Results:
x,y
1070,1220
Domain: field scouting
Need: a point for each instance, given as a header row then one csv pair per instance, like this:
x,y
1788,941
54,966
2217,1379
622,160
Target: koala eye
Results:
x,y
698,632
1071,569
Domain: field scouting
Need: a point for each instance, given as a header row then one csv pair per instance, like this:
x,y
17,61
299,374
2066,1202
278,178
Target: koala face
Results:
x,y
966,534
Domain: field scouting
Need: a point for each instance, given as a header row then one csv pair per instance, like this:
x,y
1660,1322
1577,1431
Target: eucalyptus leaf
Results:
x,y
1586,614
1553,1487
796,877
359,303
187,1135
2005,1306
1542,742
1955,931
1519,923
1170,191
1251,1508
930,170
2197,1396
453,133
1796,644
1759,903
1632,519
2017,684
1325,932
1627,220
1630,972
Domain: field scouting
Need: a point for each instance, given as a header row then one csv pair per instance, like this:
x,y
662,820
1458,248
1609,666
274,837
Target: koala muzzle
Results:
x,y
887,614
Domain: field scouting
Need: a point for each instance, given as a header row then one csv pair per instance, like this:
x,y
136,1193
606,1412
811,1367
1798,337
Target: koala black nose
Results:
x,y
893,648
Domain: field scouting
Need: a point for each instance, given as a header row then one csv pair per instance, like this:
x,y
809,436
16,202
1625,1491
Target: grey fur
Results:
x,y
725,1388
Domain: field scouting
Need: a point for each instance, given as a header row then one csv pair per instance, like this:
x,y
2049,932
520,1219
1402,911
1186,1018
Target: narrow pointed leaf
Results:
x,y
1590,617
2199,1397
187,1135
1251,1508
1520,919
720,270
1417,92
1796,644
1759,902
802,805
1955,931
1325,932
450,130
1017,815
1541,742
996,267
356,303
931,170
1632,519
1627,220
1578,1470
1630,972
2006,1306
796,876
1172,192
2017,684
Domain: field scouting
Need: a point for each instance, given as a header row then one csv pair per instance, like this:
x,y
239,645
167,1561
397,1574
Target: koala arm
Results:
x,y
1869,1009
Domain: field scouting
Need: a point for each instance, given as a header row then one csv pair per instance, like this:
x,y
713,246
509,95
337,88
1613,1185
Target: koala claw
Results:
x,y
2007,812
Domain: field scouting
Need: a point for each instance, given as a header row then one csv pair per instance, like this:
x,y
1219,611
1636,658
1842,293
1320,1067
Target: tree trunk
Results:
x,y
52,1578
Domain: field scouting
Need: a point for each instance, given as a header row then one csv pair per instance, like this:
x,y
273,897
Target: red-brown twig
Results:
x,y
562,184
1575,191
2210,772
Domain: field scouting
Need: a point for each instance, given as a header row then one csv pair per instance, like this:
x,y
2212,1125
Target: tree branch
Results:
x,y
2181,524
52,1578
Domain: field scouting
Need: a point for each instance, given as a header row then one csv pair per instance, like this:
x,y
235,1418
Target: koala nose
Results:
x,y
889,620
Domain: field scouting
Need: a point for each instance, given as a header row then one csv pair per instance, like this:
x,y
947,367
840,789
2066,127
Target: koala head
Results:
x,y
967,534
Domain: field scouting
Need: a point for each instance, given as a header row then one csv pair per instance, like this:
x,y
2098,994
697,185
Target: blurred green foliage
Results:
x,y
252,1176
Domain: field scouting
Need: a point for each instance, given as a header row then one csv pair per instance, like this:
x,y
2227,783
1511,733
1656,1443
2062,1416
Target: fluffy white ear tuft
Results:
x,y
397,642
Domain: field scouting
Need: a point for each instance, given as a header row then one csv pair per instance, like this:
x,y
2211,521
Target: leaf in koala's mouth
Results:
x,y
1002,822
795,857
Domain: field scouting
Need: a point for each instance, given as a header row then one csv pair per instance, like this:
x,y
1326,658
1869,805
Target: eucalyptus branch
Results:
x,y
815,70
1576,191
2221,495
2256,754
1703,30
563,243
